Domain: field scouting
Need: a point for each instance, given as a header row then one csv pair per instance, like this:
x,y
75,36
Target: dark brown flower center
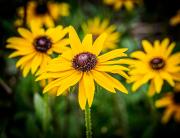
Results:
x,y
84,61
42,44
176,97
157,63
41,9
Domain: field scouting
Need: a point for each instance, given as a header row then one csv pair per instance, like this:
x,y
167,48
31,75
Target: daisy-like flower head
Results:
x,y
83,64
155,63
175,20
118,4
171,102
96,27
36,45
44,13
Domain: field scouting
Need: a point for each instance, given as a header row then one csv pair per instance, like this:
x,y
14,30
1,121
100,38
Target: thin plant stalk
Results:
x,y
88,122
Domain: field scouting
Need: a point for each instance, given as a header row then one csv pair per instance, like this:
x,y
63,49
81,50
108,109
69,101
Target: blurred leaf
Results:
x,y
42,110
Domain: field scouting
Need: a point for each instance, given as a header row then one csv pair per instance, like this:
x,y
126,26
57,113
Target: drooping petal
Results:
x,y
82,95
158,82
167,77
89,87
117,84
69,81
36,62
103,81
24,59
142,81
151,90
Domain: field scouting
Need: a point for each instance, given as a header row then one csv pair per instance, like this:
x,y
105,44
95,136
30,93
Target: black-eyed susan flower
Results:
x,y
96,27
35,47
44,13
171,101
83,64
175,20
118,4
156,63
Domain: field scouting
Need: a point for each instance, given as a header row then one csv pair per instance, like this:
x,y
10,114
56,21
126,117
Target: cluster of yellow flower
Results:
x,y
84,62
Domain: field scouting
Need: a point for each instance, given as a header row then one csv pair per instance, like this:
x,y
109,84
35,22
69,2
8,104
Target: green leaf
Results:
x,y
42,110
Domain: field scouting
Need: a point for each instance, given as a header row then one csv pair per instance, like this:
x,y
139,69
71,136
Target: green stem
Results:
x,y
88,122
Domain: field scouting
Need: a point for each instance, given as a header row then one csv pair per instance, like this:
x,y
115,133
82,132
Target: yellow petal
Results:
x,y
54,75
151,90
167,114
26,34
75,42
26,69
147,46
36,62
60,46
163,102
24,59
142,81
98,44
165,43
139,55
167,77
18,41
87,42
19,53
69,81
103,81
111,68
57,33
113,54
36,29
158,81
89,87
170,49
117,84
82,95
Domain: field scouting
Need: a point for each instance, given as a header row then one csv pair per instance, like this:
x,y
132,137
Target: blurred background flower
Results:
x,y
42,11
96,27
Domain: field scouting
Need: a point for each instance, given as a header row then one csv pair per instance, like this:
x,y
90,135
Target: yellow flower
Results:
x,y
171,102
155,64
175,20
44,13
118,4
96,27
83,64
35,46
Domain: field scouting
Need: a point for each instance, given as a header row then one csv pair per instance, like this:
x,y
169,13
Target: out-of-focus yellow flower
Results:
x,y
118,4
171,102
175,20
155,63
83,64
44,13
96,27
35,46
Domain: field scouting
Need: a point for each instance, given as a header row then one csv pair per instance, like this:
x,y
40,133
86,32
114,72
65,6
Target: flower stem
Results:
x,y
88,122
